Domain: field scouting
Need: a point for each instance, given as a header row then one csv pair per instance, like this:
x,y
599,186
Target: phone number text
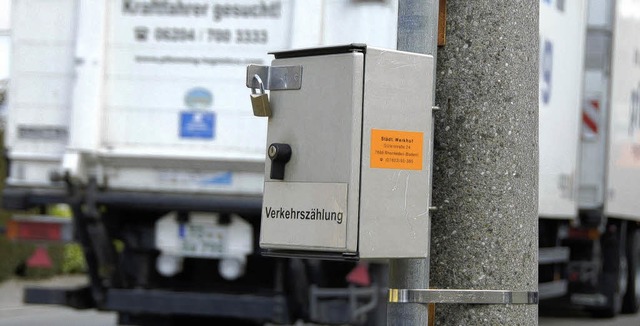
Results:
x,y
212,35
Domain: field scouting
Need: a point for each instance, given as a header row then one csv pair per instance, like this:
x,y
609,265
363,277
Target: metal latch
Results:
x,y
275,78
462,296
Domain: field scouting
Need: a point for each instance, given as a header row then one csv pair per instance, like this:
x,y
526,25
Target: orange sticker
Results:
x,y
393,149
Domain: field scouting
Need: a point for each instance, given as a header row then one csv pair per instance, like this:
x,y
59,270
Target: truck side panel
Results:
x,y
40,94
623,173
562,33
155,101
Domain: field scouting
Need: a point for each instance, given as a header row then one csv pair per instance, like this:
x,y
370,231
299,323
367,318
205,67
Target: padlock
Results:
x,y
259,100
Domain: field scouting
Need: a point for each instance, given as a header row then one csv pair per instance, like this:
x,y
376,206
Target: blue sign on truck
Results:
x,y
194,124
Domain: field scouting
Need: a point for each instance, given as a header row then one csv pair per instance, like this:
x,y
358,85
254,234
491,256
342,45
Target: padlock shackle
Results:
x,y
257,79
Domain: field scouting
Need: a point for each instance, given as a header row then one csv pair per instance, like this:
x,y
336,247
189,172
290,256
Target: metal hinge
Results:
x,y
275,78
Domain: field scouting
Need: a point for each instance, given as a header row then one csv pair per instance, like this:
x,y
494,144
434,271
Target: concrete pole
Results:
x,y
417,32
485,231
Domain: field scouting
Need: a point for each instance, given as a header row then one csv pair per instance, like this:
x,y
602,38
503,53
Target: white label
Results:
x,y
304,216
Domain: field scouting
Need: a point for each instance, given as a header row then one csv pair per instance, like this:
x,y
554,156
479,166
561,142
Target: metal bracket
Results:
x,y
462,296
275,78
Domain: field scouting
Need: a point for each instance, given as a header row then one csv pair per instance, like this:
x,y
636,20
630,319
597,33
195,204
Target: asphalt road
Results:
x,y
14,313
50,316
579,318
620,321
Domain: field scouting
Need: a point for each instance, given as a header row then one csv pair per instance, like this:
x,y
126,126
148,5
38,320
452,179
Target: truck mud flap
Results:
x,y
159,302
79,298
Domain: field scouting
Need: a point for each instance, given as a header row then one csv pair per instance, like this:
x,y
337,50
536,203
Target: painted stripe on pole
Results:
x,y
590,118
586,119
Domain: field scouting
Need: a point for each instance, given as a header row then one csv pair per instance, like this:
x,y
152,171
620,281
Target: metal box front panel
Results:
x,y
322,124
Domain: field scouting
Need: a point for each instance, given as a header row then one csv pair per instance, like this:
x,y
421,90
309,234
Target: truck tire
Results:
x,y
631,302
614,298
614,278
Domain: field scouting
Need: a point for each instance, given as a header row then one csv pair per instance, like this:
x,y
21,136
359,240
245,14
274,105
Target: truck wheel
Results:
x,y
614,301
614,278
631,301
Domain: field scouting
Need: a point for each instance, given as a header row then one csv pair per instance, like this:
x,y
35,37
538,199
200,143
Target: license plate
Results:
x,y
203,240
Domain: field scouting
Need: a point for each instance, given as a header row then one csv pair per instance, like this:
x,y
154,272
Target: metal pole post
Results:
x,y
485,187
417,32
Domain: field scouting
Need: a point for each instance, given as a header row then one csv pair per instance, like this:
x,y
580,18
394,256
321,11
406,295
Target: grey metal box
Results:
x,y
358,182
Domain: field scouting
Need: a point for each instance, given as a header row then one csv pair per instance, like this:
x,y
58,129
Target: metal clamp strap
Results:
x,y
276,77
462,296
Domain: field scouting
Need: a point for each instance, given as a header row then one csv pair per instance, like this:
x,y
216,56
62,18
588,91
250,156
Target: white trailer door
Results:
x,y
562,34
43,35
623,173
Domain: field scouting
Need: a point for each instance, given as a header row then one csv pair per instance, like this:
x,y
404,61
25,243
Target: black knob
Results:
x,y
279,154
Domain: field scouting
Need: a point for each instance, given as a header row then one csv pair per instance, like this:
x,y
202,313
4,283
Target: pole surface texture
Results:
x,y
485,231
417,32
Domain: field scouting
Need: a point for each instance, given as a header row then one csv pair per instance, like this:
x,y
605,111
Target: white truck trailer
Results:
x,y
144,119
589,208
562,43
5,44
136,114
